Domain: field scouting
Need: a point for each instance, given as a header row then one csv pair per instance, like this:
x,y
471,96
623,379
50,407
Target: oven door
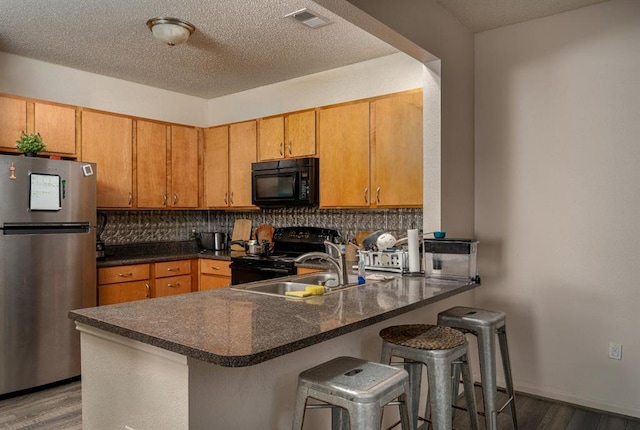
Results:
x,y
242,273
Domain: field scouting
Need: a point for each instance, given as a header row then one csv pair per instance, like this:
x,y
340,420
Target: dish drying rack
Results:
x,y
396,260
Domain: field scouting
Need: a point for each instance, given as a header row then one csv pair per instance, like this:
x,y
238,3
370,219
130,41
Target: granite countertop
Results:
x,y
140,253
235,328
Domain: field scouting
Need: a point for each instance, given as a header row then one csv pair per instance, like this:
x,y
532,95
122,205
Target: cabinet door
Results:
x,y
184,167
242,152
396,156
216,167
123,292
107,141
215,267
13,121
151,164
211,282
57,126
301,134
271,138
344,155
173,285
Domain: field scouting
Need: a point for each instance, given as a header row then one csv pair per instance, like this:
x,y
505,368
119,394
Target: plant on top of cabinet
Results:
x,y
287,136
30,143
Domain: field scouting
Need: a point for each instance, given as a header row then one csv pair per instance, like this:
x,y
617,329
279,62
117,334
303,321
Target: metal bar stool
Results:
x,y
362,388
485,325
440,349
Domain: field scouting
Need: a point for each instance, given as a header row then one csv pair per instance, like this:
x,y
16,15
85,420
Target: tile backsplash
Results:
x,y
127,227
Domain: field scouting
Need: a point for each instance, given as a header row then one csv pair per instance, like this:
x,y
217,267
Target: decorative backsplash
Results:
x,y
126,227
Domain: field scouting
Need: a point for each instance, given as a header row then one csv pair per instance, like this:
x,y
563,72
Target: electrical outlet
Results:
x,y
615,351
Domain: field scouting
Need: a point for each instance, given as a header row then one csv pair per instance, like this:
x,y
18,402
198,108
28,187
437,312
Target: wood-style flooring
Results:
x,y
59,408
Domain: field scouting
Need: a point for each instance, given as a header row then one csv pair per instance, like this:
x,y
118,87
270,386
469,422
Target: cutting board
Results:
x,y
241,231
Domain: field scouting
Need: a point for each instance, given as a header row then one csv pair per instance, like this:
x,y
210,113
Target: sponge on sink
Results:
x,y
297,293
314,290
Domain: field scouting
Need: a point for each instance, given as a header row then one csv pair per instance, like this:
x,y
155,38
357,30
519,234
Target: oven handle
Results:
x,y
274,270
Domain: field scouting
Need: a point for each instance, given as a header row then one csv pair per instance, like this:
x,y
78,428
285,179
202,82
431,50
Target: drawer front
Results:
x,y
173,285
116,274
123,292
172,268
215,267
210,282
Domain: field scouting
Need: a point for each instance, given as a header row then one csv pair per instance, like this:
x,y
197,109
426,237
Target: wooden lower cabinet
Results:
x,y
214,274
121,284
172,285
305,270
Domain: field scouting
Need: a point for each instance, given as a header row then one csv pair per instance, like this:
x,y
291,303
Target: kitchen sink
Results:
x,y
280,288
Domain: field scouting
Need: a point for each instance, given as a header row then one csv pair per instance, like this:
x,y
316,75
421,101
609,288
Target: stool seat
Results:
x,y
423,336
360,387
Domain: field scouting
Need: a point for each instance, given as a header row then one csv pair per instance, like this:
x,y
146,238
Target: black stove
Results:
x,y
288,243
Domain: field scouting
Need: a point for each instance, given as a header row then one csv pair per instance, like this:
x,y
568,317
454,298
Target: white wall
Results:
x,y
390,74
558,201
25,77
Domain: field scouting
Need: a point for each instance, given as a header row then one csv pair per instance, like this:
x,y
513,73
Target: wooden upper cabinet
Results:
x,y
57,126
242,152
151,164
285,136
396,150
343,142
216,167
300,134
271,138
184,167
13,121
107,141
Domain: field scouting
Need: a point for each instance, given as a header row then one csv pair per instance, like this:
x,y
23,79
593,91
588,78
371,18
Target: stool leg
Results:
x,y
365,416
414,370
299,408
439,375
405,410
339,418
487,353
469,393
506,364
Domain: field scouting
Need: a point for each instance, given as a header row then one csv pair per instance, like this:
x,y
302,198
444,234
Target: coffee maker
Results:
x,y
101,223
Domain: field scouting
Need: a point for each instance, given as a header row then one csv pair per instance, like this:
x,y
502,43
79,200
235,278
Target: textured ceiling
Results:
x,y
237,45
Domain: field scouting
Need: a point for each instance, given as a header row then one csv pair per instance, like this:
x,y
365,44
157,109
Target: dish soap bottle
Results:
x,y
361,274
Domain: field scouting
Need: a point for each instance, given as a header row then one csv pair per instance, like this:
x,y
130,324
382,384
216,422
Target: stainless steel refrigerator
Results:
x,y
47,267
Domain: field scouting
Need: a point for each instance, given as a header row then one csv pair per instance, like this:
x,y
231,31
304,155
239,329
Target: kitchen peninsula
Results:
x,y
229,358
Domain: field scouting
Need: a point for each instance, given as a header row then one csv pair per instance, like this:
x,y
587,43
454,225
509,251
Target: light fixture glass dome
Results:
x,y
171,31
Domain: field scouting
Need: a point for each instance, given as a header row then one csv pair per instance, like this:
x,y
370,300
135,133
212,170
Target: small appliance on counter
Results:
x,y
211,241
451,259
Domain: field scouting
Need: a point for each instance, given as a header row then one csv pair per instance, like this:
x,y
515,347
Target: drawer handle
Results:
x,y
172,285
173,269
215,267
148,287
125,275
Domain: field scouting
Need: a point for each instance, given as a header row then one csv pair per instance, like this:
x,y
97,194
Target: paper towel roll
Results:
x,y
414,252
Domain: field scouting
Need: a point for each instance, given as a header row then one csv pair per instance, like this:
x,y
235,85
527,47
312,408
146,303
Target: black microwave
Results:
x,y
292,182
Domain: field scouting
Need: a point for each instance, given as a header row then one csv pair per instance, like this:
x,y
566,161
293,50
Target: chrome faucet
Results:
x,y
339,263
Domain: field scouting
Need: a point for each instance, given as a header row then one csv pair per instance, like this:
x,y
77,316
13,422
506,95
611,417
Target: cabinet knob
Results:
x,y
378,195
290,152
231,197
175,199
281,148
130,199
226,202
164,199
148,287
366,195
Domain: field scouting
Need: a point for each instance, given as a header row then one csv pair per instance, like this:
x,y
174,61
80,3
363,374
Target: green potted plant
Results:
x,y
30,144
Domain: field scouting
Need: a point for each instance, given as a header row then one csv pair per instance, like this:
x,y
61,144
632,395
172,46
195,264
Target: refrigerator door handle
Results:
x,y
46,228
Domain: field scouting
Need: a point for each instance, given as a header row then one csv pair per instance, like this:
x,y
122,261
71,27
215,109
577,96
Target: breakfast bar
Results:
x,y
229,358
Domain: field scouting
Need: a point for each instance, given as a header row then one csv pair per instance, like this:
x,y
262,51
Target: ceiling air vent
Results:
x,y
309,18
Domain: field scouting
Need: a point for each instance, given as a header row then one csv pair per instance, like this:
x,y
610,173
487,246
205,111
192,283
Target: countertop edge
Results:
x,y
253,359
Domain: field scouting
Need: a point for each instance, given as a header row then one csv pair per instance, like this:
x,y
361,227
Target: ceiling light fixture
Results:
x,y
309,18
171,31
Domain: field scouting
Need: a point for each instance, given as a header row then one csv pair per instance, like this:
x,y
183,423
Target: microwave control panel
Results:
x,y
304,185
